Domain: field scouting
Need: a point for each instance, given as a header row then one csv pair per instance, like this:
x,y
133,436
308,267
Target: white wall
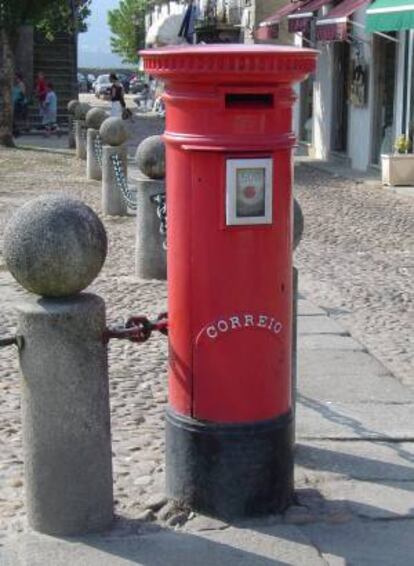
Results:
x,y
360,120
160,11
297,41
399,85
322,102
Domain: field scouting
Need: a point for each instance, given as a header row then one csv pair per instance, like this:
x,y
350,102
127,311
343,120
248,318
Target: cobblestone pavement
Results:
x,y
138,373
356,260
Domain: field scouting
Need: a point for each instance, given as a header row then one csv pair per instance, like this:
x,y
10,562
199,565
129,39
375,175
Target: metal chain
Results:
x,y
97,148
11,341
138,328
160,201
122,182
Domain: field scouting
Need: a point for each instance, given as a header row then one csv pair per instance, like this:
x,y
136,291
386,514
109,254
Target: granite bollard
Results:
x,y
72,105
80,139
80,111
63,360
113,135
94,119
150,255
93,167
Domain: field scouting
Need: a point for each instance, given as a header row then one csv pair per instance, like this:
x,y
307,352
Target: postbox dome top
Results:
x,y
224,48
232,62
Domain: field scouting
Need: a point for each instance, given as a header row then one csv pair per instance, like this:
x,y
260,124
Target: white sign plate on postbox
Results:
x,y
249,191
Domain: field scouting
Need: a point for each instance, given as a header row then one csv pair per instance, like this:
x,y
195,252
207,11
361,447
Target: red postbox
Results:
x,y
229,447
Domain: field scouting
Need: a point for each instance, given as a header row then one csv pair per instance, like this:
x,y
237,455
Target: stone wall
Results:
x,y
24,56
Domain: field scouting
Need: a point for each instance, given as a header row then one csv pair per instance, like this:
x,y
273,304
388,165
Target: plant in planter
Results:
x,y
398,168
402,144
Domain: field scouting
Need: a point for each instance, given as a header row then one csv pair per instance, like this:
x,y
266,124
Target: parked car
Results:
x,y
82,83
102,86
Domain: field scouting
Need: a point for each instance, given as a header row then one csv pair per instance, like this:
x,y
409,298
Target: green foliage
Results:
x,y
50,16
402,144
127,24
64,15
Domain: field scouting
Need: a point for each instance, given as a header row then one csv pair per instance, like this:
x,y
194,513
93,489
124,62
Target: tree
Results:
x,y
127,24
49,16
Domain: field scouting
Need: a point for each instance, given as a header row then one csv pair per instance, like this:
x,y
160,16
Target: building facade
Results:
x,y
361,96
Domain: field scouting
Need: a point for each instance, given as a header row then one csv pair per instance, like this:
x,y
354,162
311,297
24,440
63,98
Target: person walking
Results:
x,y
49,120
19,97
41,92
117,97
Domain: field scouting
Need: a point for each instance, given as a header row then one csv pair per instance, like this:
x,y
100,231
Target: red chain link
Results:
x,y
138,329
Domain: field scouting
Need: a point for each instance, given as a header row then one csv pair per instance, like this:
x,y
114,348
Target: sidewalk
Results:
x,y
340,168
354,481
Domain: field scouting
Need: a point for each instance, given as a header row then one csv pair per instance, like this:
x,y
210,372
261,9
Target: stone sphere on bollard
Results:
x,y
150,157
113,132
95,117
298,223
55,246
81,110
72,105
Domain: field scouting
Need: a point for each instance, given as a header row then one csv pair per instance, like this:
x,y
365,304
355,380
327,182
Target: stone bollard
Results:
x,y
63,360
113,135
72,105
150,256
80,133
94,119
80,140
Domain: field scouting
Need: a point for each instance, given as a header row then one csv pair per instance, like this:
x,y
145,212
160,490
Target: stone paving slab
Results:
x,y
328,342
284,546
307,308
348,376
364,543
369,500
319,420
374,461
320,325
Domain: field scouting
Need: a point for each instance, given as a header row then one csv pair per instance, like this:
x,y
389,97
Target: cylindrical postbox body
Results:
x,y
229,201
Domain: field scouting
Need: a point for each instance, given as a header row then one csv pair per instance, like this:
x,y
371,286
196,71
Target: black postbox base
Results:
x,y
230,471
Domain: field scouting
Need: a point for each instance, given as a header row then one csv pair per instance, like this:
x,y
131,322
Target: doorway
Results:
x,y
306,110
341,62
385,53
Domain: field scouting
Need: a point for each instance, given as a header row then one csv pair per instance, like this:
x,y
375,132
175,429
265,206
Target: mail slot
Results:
x,y
229,197
249,100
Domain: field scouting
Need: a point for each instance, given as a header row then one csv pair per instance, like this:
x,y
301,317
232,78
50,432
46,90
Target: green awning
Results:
x,y
390,15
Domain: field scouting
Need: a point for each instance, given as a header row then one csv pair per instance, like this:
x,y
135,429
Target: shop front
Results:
x,y
361,97
342,97
394,19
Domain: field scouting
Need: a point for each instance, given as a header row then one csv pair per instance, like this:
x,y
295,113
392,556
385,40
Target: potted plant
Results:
x,y
398,167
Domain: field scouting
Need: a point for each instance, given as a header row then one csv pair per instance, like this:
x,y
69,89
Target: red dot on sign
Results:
x,y
249,192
